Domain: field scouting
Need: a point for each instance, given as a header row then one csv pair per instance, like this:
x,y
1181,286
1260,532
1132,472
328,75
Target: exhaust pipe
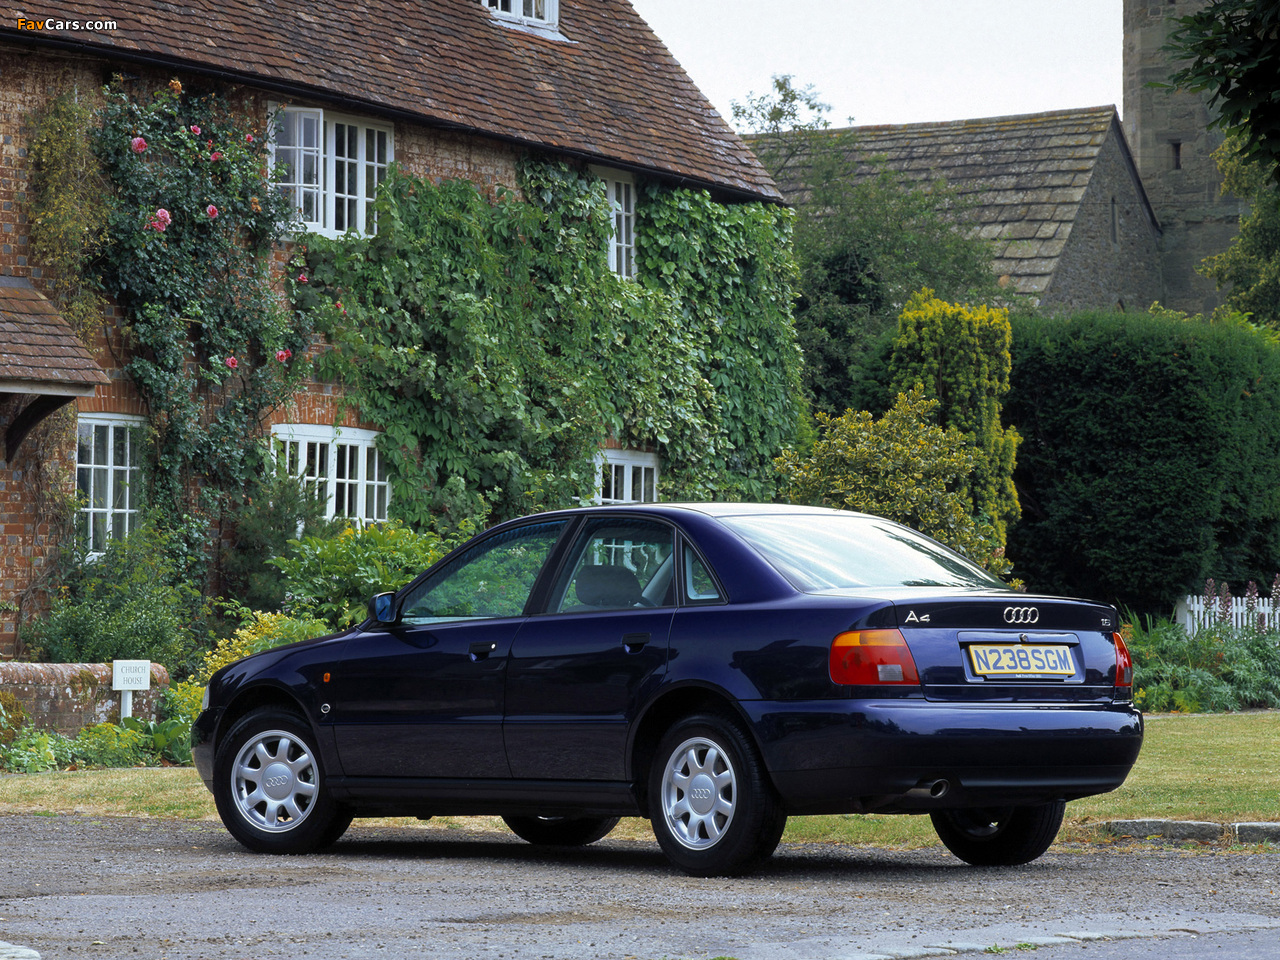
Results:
x,y
930,789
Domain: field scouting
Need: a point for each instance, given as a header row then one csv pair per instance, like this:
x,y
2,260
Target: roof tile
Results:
x,y
36,345
606,90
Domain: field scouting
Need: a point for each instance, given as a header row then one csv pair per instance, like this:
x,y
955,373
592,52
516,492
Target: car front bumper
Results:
x,y
202,731
905,756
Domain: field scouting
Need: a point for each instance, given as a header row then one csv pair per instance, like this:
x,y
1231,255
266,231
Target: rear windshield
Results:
x,y
823,552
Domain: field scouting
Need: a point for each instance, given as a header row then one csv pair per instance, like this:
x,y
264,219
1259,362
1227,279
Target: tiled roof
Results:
x,y
608,91
38,351
1023,176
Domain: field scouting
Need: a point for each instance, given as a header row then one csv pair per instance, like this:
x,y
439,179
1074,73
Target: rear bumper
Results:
x,y
912,756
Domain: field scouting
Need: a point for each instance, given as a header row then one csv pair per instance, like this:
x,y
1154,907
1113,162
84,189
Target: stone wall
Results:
x,y
67,697
1172,143
1111,258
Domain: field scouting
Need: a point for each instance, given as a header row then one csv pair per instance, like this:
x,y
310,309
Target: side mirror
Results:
x,y
382,608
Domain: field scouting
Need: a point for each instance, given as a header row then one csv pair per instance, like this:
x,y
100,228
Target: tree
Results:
x,y
864,243
959,356
1250,267
903,466
1233,52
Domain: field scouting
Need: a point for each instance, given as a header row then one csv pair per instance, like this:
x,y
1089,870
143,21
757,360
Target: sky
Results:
x,y
901,61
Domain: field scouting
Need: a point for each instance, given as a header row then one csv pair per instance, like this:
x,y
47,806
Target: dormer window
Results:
x,y
532,13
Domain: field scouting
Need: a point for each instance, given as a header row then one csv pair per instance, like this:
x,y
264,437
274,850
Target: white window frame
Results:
x,y
526,13
324,195
112,490
342,465
620,188
620,472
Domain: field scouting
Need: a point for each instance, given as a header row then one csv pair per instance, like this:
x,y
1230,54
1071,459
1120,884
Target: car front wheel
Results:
x,y
269,785
713,809
999,836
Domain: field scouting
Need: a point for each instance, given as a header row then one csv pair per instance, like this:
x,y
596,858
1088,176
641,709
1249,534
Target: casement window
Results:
x,y
330,166
533,13
108,476
340,467
627,476
620,188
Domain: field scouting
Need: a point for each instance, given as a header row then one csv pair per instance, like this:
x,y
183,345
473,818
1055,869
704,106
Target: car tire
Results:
x,y
999,836
294,812
561,831
713,808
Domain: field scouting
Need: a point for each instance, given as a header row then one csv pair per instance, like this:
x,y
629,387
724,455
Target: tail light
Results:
x,y
872,657
1124,662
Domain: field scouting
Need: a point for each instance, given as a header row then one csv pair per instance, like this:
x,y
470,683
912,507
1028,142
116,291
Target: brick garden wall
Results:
x,y
67,697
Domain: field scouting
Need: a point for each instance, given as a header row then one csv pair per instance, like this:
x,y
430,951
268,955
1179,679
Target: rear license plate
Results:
x,y
1021,660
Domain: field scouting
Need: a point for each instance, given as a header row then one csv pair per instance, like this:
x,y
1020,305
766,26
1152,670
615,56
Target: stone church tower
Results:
x,y
1172,145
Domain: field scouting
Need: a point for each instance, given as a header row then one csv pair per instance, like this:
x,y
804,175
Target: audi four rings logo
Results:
x,y
1021,615
277,781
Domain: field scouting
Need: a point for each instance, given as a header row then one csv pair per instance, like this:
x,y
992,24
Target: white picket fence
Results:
x,y
1193,614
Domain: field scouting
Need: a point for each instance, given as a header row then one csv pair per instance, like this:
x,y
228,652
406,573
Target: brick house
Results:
x,y
446,89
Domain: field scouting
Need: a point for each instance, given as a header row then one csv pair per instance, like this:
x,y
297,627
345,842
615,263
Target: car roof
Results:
x,y
715,510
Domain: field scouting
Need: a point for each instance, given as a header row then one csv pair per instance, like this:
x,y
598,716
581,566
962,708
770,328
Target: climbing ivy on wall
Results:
x,y
498,352
191,229
730,273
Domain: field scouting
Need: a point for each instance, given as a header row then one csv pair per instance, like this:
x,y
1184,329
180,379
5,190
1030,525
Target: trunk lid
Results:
x,y
990,646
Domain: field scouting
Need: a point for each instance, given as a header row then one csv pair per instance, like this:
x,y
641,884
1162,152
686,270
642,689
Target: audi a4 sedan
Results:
x,y
714,668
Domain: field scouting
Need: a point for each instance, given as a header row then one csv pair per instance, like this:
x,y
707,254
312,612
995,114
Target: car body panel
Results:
x,y
423,700
575,684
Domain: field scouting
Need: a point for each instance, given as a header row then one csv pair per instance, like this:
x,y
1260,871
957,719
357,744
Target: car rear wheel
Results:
x,y
999,836
713,809
561,831
269,785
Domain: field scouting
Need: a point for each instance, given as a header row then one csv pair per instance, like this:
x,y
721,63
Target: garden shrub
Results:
x,y
960,356
1216,668
109,745
1150,455
903,467
331,580
131,603
34,751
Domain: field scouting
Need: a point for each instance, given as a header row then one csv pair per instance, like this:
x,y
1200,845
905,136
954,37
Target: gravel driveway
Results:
x,y
114,887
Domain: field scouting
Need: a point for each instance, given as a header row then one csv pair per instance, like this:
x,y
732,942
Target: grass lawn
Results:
x,y
1223,767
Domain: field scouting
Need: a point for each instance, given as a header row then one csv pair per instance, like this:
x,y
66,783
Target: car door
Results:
x,y
424,698
577,673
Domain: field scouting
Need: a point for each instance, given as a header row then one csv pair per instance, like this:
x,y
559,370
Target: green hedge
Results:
x,y
1151,456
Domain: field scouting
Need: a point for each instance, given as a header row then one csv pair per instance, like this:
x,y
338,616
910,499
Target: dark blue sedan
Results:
x,y
712,667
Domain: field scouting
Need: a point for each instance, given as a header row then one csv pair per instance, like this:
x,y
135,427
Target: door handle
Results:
x,y
480,650
634,642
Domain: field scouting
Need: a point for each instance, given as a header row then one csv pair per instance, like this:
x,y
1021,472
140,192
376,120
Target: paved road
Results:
x,y
122,888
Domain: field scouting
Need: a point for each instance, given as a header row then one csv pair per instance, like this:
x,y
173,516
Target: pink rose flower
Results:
x,y
211,210
159,220
195,129
302,278
283,355
232,362
138,144
248,138
215,156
